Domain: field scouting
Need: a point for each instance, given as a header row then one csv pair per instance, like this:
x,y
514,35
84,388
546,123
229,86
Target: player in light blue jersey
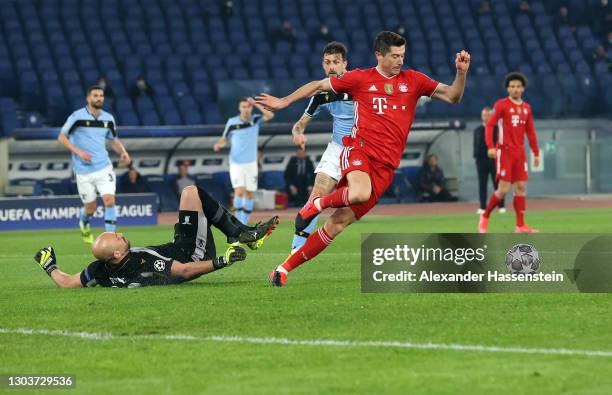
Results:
x,y
341,108
242,132
85,134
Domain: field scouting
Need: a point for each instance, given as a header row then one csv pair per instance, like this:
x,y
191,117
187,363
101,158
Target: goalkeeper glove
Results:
x,y
234,253
45,257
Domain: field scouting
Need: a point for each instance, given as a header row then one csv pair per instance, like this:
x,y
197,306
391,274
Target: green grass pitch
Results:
x,y
321,302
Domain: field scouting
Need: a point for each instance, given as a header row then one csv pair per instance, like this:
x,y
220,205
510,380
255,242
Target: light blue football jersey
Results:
x,y
341,108
90,134
243,137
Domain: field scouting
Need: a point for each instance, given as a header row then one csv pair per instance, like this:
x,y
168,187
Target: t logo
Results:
x,y
379,104
186,220
515,120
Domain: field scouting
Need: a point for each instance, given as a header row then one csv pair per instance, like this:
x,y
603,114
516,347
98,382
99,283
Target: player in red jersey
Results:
x,y
514,119
385,99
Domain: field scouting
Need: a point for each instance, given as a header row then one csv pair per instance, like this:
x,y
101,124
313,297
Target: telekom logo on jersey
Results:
x,y
380,104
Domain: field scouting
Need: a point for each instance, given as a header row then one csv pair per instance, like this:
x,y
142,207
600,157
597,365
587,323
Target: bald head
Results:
x,y
110,246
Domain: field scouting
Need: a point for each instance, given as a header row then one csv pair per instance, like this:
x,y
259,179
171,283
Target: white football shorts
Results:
x,y
244,175
330,161
102,181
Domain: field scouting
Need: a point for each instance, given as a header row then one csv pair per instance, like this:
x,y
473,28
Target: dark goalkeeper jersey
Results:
x,y
141,267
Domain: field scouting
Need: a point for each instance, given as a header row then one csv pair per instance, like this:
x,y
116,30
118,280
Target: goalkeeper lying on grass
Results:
x,y
190,255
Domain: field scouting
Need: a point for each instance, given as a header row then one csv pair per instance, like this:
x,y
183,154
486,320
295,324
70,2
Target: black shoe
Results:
x,y
305,216
255,236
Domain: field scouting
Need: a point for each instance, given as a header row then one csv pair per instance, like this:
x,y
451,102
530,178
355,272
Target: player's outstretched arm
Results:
x,y
454,92
45,258
193,269
273,103
267,115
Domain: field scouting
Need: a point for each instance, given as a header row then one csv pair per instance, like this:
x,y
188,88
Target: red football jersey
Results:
x,y
513,122
384,109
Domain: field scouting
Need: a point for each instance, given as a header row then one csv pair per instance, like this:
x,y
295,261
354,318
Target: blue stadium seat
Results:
x,y
273,179
411,173
55,187
209,184
32,119
240,73
211,113
62,37
144,104
150,118
128,118
162,186
179,89
172,117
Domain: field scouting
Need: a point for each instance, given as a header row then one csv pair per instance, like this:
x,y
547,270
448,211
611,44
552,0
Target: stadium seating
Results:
x,y
165,190
51,51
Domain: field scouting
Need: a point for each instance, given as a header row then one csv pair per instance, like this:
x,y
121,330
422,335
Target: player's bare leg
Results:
x,y
520,205
323,185
110,214
190,199
89,209
358,190
502,189
314,245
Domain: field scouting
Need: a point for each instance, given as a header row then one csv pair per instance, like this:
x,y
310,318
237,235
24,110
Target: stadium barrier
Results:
x,y
63,212
35,158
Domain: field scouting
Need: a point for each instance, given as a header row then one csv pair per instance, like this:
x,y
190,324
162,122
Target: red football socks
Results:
x,y
520,205
338,198
315,243
493,203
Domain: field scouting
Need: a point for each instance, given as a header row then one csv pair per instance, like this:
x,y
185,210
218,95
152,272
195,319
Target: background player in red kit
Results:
x,y
385,99
514,119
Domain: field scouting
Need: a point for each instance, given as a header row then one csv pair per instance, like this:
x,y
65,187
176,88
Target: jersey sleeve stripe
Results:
x,y
331,85
310,110
434,91
227,126
500,131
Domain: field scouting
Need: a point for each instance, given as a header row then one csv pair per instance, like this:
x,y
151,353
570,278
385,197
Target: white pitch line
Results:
x,y
322,343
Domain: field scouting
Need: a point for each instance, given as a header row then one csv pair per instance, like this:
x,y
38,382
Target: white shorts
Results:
x,y
244,175
102,181
330,161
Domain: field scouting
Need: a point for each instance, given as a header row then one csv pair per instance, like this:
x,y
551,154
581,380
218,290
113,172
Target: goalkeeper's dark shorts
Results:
x,y
193,240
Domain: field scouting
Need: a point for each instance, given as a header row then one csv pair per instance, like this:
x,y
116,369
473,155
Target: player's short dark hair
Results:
x,y
94,88
246,99
385,40
335,47
515,76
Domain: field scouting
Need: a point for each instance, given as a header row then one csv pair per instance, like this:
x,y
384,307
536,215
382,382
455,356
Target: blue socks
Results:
x,y
85,218
238,207
247,210
299,238
110,219
244,208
